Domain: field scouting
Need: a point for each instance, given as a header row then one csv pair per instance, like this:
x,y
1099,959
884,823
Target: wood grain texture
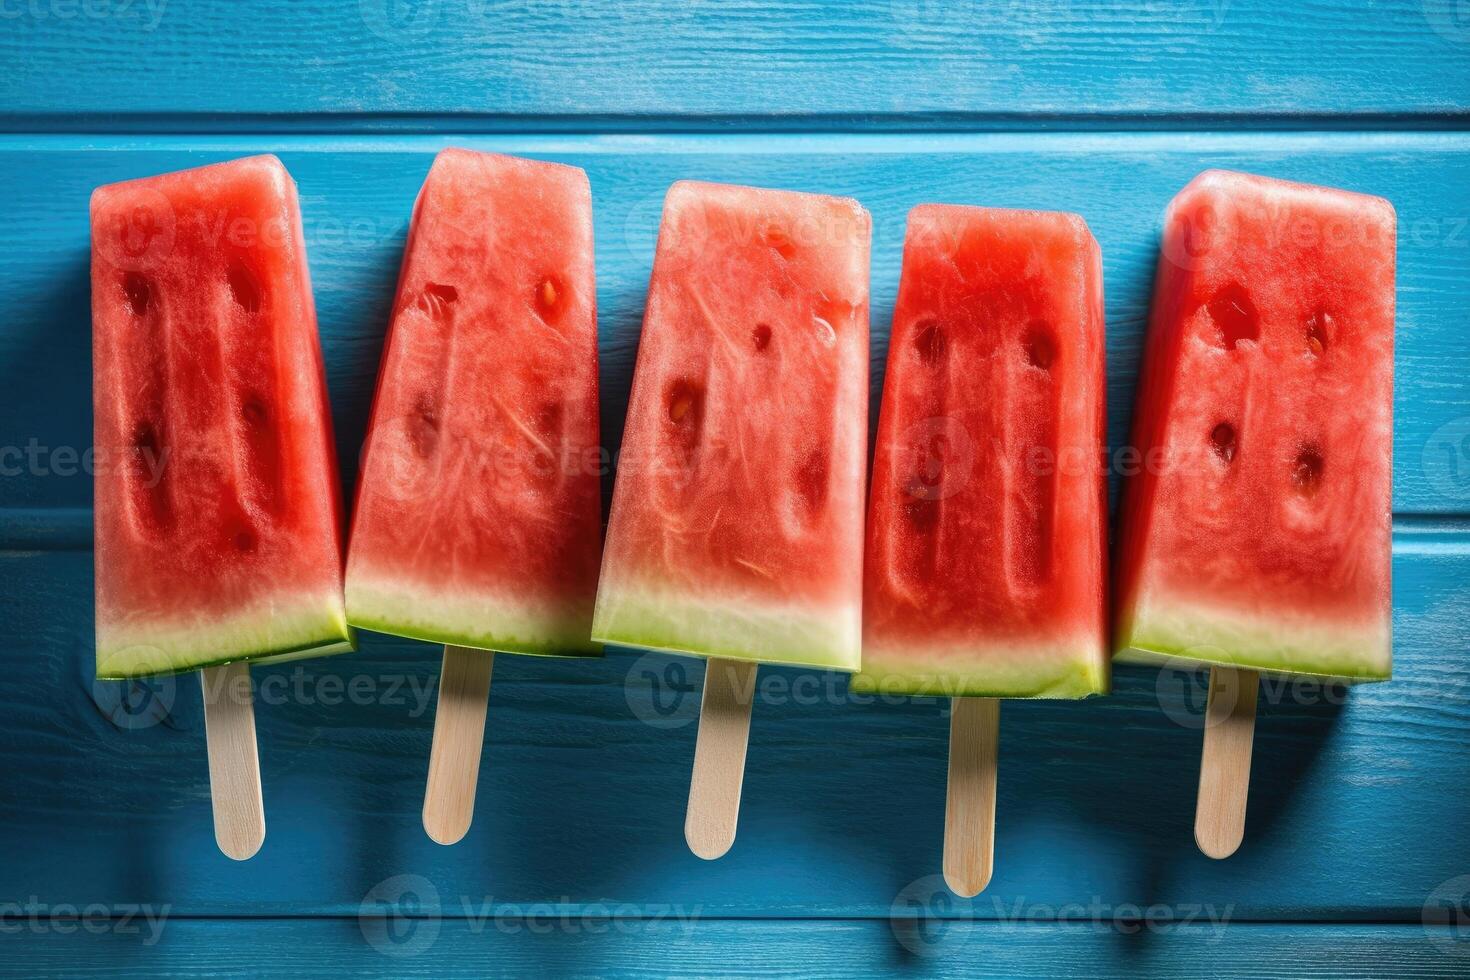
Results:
x,y
1358,812
546,941
459,739
1225,761
719,757
356,197
1358,808
234,762
969,801
666,62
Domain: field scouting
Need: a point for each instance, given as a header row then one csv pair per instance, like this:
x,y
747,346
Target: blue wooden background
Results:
x,y
1357,855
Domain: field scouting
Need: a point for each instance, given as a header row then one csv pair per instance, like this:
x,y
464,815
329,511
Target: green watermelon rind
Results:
x,y
1193,638
415,617
488,642
173,650
1138,654
323,649
733,629
1070,676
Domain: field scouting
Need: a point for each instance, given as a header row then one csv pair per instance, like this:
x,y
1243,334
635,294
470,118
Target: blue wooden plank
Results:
x,y
357,194
514,63
1358,808
1359,811
554,943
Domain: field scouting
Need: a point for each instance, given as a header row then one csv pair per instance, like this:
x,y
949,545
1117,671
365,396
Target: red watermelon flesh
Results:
x,y
986,552
478,517
1257,531
217,511
736,527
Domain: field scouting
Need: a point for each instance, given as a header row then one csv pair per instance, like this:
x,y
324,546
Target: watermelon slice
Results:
x,y
986,551
1257,531
217,508
478,518
736,527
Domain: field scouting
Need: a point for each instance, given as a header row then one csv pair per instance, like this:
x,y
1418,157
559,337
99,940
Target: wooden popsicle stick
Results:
x,y
969,807
1225,763
719,757
234,762
459,735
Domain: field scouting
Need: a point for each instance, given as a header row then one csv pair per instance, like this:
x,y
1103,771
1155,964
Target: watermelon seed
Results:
x,y
1306,472
547,295
244,288
684,401
152,503
685,410
145,438
779,241
548,418
135,287
922,513
252,410
1235,315
1317,333
1223,438
1040,351
762,336
811,481
931,343
436,298
423,428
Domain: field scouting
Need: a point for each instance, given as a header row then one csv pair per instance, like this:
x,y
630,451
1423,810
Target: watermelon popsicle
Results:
x,y
478,517
217,510
1256,537
736,525
985,563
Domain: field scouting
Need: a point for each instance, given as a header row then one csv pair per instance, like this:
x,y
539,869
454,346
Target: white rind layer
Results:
x,y
729,626
480,620
1167,631
272,631
1074,668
